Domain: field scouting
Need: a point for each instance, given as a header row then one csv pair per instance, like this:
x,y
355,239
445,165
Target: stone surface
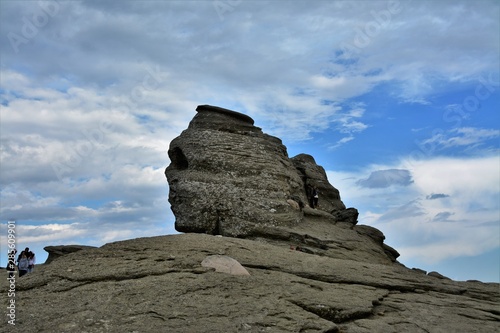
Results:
x,y
314,175
158,284
309,270
224,264
228,178
55,251
232,174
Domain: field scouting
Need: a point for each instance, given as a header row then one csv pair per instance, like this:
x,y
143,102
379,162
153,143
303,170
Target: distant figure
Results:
x,y
310,195
11,263
315,197
22,264
31,261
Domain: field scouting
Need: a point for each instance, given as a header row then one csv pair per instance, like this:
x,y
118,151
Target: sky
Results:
x,y
397,100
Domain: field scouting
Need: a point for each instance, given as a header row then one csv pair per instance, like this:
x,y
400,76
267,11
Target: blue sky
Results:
x,y
398,100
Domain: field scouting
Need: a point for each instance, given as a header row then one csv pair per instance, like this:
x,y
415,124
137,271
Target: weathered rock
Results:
x,y
224,264
228,178
57,251
158,284
438,275
309,270
314,175
349,215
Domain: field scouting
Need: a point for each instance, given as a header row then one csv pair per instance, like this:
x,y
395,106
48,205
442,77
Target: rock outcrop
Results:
x,y
56,251
288,268
226,176
229,178
158,284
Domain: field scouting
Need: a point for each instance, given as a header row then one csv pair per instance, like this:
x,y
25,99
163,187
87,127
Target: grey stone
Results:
x,y
438,275
226,176
346,215
310,270
224,264
56,251
158,284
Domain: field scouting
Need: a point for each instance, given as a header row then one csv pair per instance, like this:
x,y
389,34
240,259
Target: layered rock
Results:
x,y
314,176
160,284
226,176
299,269
56,251
229,178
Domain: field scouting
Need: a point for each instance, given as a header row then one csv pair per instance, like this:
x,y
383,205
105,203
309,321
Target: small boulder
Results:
x,y
294,204
349,215
437,275
224,264
61,250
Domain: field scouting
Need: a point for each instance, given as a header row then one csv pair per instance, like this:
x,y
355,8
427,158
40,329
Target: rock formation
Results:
x,y
287,269
229,178
61,250
158,284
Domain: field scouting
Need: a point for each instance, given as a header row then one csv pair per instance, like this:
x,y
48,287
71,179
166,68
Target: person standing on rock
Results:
x,y
22,264
315,197
31,261
310,195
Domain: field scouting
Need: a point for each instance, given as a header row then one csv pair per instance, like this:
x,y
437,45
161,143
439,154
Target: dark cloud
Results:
x,y
443,217
436,196
386,178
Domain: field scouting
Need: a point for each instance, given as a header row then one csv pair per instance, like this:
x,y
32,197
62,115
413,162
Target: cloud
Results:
x,y
386,178
434,196
198,57
469,138
403,212
412,220
442,217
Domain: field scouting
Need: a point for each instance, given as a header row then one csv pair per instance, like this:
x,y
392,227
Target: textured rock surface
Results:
x,y
228,178
224,264
159,285
226,175
55,251
315,176
310,270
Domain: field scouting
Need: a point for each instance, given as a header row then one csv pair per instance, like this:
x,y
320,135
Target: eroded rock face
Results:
x,y
229,178
314,176
56,251
159,284
226,176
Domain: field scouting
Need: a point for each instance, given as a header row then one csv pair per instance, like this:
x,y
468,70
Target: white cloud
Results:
x,y
464,221
386,178
460,137
90,102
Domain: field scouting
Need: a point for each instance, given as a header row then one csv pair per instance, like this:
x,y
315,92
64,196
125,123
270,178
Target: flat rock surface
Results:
x,y
158,284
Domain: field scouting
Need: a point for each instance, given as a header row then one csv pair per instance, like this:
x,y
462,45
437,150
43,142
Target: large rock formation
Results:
x,y
226,176
159,284
299,270
229,178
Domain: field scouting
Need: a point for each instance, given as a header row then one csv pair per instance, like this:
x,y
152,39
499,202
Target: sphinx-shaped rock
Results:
x,y
226,176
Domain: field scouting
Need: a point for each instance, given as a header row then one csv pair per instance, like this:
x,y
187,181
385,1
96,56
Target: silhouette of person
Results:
x,y
315,197
22,264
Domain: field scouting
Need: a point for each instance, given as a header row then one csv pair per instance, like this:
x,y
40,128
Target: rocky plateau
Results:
x,y
253,256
